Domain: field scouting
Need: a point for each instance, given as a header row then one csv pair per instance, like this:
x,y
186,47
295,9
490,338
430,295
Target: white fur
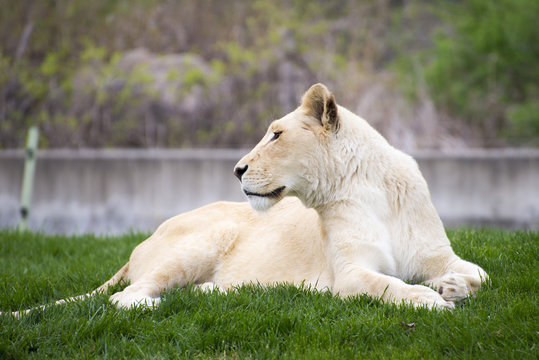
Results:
x,y
260,203
373,204
366,223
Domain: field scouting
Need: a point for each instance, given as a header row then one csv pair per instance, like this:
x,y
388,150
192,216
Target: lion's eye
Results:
x,y
276,135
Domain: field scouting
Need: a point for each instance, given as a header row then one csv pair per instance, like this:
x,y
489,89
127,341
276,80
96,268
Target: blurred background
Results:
x,y
439,79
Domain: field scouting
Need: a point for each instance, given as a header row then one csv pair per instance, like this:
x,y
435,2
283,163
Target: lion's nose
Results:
x,y
240,170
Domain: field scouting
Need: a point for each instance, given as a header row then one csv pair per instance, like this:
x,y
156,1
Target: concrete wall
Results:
x,y
114,191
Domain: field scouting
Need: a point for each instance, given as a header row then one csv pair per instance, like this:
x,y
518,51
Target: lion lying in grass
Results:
x,y
359,221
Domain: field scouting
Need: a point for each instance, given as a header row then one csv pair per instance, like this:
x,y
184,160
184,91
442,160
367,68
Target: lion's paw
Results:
x,y
452,287
124,299
210,286
420,295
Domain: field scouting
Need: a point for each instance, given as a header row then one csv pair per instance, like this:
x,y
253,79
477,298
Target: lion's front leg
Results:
x,y
357,280
360,264
461,280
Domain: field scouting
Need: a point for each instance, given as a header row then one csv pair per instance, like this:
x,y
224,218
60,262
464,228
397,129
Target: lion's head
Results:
x,y
289,158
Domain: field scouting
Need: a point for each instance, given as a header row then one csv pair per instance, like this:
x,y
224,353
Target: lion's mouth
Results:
x,y
273,194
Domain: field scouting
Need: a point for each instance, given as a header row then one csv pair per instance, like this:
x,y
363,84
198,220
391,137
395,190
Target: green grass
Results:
x,y
502,322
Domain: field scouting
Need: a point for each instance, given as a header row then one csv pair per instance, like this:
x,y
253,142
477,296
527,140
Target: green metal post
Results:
x,y
28,176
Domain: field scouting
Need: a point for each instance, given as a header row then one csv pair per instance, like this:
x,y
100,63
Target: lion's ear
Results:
x,y
320,103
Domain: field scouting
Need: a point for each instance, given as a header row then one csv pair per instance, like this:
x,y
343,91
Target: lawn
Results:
x,y
501,322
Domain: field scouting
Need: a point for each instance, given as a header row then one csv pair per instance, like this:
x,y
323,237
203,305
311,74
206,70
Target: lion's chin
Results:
x,y
262,204
264,201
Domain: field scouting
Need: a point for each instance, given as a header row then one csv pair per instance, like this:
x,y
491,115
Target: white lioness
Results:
x,y
364,221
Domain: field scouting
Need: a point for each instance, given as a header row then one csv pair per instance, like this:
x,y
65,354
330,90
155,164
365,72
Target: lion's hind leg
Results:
x,y
175,260
142,293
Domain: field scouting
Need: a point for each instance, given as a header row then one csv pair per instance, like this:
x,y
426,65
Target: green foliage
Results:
x,y
255,322
69,68
481,67
485,68
193,77
524,119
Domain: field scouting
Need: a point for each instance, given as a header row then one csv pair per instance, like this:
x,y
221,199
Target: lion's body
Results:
x,y
228,244
364,221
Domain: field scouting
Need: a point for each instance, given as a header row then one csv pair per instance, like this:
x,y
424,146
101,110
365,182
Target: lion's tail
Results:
x,y
119,276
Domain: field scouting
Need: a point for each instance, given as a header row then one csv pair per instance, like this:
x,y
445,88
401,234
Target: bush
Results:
x,y
484,68
259,57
